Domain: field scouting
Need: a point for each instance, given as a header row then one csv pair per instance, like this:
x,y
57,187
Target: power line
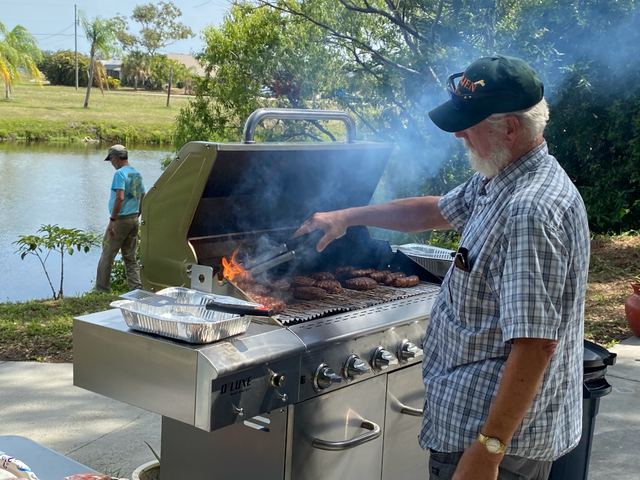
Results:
x,y
55,34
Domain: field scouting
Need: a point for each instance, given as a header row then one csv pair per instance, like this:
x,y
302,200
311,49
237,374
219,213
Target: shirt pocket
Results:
x,y
458,285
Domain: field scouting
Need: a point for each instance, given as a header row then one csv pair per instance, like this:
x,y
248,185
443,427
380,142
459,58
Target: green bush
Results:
x,y
114,83
595,134
59,68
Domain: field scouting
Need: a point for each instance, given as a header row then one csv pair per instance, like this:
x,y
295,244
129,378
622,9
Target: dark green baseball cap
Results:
x,y
496,84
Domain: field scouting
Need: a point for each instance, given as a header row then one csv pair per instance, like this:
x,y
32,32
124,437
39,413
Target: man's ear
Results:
x,y
514,129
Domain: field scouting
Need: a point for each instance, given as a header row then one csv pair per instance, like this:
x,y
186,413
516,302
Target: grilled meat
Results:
x,y
388,280
406,282
309,293
361,283
302,282
323,276
330,286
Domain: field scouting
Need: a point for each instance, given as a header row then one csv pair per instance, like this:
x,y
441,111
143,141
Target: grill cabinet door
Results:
x,y
403,457
338,416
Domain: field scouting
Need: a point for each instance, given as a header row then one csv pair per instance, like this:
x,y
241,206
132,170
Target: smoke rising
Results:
x,y
569,49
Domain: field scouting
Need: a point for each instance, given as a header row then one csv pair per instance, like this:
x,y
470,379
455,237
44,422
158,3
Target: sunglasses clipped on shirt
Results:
x,y
459,99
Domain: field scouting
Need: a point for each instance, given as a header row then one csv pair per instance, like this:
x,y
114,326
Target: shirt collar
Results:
x,y
528,162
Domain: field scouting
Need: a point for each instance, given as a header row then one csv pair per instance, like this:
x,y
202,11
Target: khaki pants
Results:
x,y
125,240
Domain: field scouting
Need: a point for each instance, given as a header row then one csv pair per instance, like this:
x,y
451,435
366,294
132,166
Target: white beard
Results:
x,y
491,165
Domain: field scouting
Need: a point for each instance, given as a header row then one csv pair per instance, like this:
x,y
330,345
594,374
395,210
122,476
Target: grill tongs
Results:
x,y
268,260
157,300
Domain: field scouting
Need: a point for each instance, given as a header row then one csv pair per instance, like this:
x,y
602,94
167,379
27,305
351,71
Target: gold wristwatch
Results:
x,y
493,444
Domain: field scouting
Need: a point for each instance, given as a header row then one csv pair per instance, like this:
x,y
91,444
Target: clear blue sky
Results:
x,y
51,21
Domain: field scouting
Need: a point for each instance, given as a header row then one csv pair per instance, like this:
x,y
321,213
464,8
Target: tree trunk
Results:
x,y
135,83
170,81
86,100
61,293
6,87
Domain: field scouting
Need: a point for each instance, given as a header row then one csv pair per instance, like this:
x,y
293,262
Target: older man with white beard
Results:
x,y
502,367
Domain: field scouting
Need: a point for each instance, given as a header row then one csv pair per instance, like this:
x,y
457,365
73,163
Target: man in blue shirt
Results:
x,y
125,203
503,352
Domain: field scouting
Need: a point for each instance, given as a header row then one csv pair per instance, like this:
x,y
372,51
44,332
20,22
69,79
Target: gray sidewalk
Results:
x,y
39,401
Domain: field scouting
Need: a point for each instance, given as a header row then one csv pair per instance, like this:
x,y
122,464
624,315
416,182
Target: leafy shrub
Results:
x,y
114,83
595,133
59,69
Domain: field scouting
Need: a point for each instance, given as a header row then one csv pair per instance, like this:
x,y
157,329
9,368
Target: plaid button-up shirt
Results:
x,y
527,235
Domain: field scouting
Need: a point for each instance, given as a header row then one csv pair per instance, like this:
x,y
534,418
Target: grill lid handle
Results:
x,y
297,114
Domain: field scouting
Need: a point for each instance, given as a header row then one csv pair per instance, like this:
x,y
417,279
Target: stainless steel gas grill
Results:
x,y
324,389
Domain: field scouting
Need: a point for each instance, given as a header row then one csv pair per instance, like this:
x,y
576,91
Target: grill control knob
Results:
x,y
382,359
354,367
408,351
325,377
278,380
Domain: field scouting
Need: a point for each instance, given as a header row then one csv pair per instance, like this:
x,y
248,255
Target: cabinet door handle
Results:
x,y
374,433
414,412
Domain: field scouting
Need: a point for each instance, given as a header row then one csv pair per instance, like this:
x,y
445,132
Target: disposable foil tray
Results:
x,y
436,260
193,325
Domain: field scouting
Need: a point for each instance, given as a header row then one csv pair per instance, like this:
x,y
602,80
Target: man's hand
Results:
x,y
477,463
333,224
111,229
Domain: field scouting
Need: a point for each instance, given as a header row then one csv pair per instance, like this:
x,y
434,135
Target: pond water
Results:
x,y
66,185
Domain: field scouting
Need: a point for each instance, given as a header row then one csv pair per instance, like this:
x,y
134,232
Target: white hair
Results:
x,y
533,119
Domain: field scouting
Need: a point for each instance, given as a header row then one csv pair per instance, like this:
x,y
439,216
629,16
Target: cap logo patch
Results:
x,y
468,84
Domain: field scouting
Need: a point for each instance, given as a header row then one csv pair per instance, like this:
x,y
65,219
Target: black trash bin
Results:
x,y
575,464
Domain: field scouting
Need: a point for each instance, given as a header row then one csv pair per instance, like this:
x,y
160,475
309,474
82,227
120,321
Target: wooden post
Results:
x,y
169,89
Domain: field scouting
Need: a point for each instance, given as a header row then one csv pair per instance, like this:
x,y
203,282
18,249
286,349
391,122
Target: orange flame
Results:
x,y
232,269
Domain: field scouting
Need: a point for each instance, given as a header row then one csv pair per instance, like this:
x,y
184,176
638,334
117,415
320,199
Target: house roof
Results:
x,y
188,61
112,63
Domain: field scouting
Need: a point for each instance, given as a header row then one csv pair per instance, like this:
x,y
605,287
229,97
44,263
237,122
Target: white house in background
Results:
x,y
113,66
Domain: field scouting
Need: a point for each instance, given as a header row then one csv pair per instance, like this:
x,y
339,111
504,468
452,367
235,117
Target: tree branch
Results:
x,y
323,130
349,38
436,21
376,11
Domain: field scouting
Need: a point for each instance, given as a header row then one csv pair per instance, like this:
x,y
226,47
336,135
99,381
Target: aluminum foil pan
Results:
x,y
193,325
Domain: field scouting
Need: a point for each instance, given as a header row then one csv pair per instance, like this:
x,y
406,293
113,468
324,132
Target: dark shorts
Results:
x,y
443,465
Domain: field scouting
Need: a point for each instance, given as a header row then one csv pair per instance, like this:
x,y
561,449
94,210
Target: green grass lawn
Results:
x,y
57,113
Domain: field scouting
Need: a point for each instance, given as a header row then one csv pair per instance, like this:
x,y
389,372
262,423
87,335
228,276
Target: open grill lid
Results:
x,y
215,196
264,187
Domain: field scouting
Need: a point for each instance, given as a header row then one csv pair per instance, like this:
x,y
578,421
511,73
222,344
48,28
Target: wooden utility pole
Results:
x,y
169,89
75,24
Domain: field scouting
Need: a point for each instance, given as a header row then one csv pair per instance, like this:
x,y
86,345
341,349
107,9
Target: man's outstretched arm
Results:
x,y
416,214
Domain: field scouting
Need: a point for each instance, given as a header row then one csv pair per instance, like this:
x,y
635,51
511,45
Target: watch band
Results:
x,y
112,219
493,445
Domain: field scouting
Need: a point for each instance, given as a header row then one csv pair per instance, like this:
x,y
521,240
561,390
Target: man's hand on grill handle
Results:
x,y
333,224
415,214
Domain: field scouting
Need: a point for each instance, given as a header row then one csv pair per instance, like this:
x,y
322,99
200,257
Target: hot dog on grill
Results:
x,y
406,282
360,272
388,280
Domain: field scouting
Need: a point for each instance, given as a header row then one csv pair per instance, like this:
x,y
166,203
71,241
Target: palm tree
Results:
x,y
138,67
18,49
101,35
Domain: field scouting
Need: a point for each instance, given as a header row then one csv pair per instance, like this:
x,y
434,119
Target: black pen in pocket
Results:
x,y
462,259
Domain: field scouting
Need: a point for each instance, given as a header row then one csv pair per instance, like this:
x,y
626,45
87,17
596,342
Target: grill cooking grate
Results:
x,y
299,311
